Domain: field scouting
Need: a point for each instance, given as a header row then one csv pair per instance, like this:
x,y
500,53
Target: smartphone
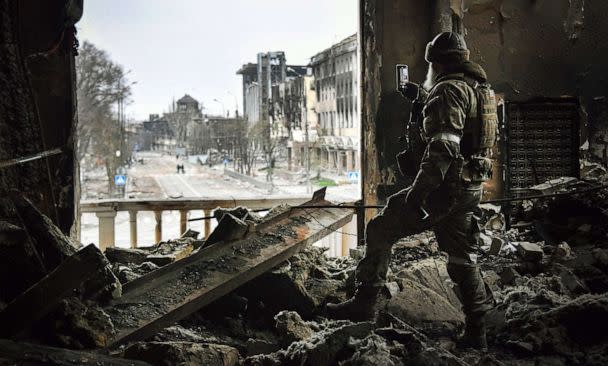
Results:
x,y
403,76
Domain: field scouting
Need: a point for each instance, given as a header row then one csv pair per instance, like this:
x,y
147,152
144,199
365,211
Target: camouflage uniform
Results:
x,y
440,190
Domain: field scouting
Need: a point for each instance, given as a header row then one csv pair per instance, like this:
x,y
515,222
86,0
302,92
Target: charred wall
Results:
x,y
391,33
530,49
37,108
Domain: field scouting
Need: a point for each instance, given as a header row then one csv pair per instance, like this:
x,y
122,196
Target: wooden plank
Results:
x,y
159,299
13,353
43,297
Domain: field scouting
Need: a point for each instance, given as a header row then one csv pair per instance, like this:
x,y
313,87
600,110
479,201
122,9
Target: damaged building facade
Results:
x,y
259,79
336,73
315,105
253,290
180,127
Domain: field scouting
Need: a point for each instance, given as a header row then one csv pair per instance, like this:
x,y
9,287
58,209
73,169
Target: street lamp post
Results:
x,y
307,147
223,108
236,104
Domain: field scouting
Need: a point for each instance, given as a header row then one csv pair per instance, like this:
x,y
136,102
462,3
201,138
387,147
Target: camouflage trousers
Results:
x,y
457,232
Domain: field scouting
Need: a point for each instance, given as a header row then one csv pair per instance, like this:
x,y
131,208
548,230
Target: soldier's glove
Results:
x,y
410,91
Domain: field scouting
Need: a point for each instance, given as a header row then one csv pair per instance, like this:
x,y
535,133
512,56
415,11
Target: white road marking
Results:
x,y
187,185
161,186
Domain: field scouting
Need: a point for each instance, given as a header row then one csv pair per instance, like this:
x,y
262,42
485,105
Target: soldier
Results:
x,y
459,126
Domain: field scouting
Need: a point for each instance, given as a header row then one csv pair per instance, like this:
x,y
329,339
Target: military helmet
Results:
x,y
447,48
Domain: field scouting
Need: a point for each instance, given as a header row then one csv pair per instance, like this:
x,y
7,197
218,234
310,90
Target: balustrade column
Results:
x,y
133,228
158,229
183,221
106,229
207,223
349,237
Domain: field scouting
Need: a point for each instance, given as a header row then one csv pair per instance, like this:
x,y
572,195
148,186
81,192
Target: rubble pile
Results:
x,y
547,271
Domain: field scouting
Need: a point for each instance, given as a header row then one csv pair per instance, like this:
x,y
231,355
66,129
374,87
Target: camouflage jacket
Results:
x,y
447,107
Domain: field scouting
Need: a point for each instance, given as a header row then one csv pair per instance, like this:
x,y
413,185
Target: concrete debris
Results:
x,y
325,348
532,252
496,223
14,353
86,273
123,255
291,327
496,246
161,298
241,213
18,260
373,350
128,272
562,252
77,324
593,171
51,245
508,276
158,255
193,234
303,284
418,304
229,228
553,186
548,275
184,354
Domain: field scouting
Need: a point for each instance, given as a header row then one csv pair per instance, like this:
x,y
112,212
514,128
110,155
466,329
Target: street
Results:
x,y
157,178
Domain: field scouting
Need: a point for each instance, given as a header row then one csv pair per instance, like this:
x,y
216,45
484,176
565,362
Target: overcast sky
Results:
x,y
196,46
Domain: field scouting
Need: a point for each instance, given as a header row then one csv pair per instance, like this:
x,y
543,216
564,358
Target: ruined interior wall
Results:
x,y
37,105
47,27
390,34
547,48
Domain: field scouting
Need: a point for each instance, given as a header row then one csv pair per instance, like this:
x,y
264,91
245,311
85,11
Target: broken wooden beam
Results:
x,y
14,353
85,272
163,297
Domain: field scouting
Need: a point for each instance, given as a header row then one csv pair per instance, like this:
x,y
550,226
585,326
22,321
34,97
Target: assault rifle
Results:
x,y
409,159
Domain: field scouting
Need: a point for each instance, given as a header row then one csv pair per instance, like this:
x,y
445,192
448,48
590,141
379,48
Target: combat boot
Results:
x,y
474,333
360,307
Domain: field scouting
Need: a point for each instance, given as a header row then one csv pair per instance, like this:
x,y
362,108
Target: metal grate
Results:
x,y
542,142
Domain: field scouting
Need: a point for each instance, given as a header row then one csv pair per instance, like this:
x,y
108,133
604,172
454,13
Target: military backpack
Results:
x,y
480,134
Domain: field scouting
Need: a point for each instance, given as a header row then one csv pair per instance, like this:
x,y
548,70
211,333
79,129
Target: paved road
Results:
x,y
198,181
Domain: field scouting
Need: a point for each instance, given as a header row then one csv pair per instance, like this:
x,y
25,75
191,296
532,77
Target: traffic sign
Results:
x,y
353,176
120,180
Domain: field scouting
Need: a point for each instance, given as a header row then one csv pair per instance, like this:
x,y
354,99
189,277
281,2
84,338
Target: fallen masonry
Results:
x,y
13,353
163,297
257,296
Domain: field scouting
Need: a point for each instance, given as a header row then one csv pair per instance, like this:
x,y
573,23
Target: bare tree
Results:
x,y
248,148
262,135
102,90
